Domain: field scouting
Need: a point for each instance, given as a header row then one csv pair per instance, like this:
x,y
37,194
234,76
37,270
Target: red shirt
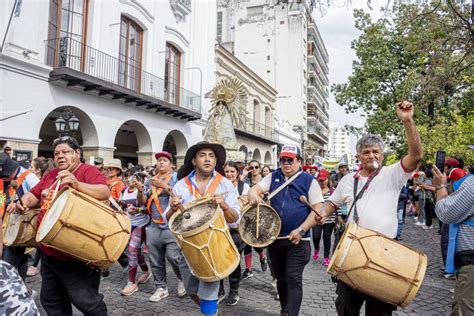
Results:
x,y
85,173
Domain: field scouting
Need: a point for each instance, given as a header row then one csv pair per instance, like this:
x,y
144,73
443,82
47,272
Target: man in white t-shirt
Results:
x,y
376,209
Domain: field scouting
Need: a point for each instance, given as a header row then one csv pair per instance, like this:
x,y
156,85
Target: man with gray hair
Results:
x,y
377,189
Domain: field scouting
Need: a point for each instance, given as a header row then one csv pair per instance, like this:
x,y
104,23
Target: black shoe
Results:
x,y
232,299
105,275
220,297
264,264
247,274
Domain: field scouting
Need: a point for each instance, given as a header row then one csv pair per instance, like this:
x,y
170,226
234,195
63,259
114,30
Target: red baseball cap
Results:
x,y
290,151
452,162
457,174
323,175
164,154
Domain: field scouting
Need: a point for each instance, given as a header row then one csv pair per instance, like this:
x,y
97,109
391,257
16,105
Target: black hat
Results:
x,y
7,165
188,167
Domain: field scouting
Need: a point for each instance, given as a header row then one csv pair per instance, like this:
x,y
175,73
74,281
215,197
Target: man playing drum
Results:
x,y
376,209
160,241
64,279
13,176
291,252
201,176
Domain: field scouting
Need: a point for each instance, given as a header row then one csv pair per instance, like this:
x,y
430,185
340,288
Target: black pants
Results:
x,y
429,212
326,230
289,261
66,282
16,257
444,241
349,303
37,257
248,250
234,277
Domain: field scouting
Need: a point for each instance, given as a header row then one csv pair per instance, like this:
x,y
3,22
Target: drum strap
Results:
x,y
154,198
358,196
210,190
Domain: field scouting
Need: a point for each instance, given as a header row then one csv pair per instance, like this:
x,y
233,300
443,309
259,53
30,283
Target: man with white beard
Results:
x,y
377,189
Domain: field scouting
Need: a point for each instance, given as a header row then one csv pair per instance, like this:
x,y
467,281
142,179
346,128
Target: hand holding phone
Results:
x,y
440,158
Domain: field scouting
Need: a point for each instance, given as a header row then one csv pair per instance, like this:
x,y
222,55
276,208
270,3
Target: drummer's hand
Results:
x,y
320,219
68,178
295,237
253,198
219,200
16,208
174,202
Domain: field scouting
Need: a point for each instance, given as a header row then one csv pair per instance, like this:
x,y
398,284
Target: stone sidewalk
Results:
x,y
257,293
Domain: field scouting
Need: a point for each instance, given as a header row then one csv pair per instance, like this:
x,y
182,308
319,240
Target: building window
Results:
x,y
67,27
172,74
130,54
219,27
254,11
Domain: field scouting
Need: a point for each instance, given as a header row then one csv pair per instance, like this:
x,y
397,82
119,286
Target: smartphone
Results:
x,y
440,157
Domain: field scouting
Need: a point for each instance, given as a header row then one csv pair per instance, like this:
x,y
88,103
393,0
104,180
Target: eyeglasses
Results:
x,y
64,152
253,167
289,161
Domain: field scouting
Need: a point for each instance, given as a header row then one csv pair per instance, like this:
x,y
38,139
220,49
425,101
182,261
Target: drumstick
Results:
x,y
304,200
258,220
14,185
181,208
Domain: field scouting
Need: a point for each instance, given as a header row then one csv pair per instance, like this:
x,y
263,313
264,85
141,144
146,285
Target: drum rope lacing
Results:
x,y
90,234
212,262
412,281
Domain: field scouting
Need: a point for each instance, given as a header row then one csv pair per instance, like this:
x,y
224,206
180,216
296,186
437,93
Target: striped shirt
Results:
x,y
332,217
457,208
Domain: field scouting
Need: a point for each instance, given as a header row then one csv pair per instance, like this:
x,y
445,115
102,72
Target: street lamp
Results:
x,y
67,124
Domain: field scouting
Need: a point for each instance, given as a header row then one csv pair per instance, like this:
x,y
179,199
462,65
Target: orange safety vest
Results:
x,y
11,191
154,198
210,190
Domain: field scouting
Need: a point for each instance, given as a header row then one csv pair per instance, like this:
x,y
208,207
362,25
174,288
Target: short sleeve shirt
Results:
x,y
377,209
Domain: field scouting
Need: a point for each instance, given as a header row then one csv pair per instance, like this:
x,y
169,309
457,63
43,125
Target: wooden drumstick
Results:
x,y
14,185
304,200
258,220
181,208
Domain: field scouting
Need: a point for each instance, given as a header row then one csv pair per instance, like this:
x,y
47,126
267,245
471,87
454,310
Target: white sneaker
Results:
x,y
181,289
415,218
159,294
420,223
427,227
274,283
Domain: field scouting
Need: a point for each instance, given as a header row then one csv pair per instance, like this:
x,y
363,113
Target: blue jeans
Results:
x,y
400,222
16,257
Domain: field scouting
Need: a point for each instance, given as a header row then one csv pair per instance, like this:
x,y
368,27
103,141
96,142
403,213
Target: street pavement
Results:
x,y
257,294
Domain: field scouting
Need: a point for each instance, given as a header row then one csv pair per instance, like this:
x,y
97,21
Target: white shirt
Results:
x,y
377,209
314,195
231,197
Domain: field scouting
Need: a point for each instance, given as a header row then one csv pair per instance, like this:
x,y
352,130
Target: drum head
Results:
x,y
269,226
52,215
13,226
194,217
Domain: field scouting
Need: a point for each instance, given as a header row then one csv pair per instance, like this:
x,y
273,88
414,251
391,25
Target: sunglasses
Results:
x,y
253,167
289,161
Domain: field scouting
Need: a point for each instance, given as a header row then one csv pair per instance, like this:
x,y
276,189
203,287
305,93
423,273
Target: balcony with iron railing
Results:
x,y
81,65
255,129
315,130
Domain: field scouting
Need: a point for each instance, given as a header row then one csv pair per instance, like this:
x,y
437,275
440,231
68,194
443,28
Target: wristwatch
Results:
x,y
439,187
301,231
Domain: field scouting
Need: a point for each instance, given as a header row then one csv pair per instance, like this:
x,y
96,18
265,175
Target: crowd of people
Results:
x,y
151,195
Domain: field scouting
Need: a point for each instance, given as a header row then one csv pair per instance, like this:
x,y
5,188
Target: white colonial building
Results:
x,y
279,40
132,71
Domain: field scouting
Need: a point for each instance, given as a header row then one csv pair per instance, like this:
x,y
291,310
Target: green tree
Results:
x,y
420,53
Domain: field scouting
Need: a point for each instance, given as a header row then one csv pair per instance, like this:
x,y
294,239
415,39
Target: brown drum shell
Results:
x,y
209,249
26,232
378,265
269,225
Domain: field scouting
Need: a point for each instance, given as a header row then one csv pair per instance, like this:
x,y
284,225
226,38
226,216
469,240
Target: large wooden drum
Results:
x,y
266,219
203,236
85,229
19,230
378,266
